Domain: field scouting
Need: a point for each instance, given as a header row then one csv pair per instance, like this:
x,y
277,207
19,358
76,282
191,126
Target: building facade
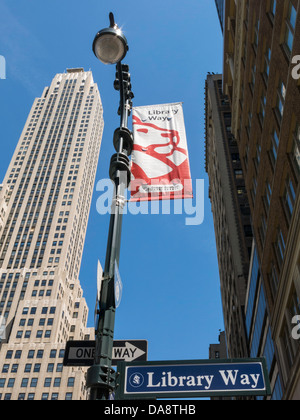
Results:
x,y
219,351
44,208
231,214
261,41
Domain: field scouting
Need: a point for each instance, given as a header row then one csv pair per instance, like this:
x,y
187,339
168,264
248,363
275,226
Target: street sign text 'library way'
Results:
x,y
198,378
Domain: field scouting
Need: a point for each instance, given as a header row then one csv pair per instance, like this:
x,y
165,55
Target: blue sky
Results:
x,y
171,289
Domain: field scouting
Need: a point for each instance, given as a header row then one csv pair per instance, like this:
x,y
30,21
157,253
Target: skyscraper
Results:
x,y
261,39
44,208
231,213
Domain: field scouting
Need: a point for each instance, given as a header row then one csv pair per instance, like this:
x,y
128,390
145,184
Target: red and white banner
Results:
x,y
160,163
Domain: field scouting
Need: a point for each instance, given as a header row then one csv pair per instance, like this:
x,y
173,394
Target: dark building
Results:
x,y
231,214
219,351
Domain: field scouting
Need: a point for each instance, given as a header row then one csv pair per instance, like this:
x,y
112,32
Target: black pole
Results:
x,y
101,378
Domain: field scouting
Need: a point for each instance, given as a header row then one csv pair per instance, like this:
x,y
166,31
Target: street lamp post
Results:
x,y
110,46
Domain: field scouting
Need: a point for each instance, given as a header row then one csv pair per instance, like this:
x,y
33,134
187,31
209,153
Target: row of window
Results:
x,y
36,368
10,382
31,396
27,334
39,354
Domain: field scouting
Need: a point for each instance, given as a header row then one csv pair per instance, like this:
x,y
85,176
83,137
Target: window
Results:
x,y
289,197
11,383
296,150
241,191
33,383
57,382
47,383
71,382
248,127
19,334
50,367
257,157
48,334
30,354
248,231
24,383
280,248
40,354
253,191
27,334
27,368
5,368
281,91
267,197
59,367
274,280
262,108
253,76
53,354
267,59
272,9
274,147
256,35
290,24
37,367
9,354
238,174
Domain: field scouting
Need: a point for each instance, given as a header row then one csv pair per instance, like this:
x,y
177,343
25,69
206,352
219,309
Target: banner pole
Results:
x,y
101,378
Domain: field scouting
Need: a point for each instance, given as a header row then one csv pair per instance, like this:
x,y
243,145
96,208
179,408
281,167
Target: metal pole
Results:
x,y
101,378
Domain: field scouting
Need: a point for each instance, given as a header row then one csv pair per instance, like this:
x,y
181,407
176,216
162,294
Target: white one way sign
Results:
x,y
82,353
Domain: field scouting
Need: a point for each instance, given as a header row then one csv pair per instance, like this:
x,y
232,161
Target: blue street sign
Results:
x,y
202,378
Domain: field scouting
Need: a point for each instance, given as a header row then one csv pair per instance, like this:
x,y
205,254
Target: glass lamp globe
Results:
x,y
110,45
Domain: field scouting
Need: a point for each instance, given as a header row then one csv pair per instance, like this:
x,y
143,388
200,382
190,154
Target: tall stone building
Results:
x,y
44,209
261,41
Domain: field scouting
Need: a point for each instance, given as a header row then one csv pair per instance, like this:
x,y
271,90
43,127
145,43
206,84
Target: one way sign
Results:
x,y
82,353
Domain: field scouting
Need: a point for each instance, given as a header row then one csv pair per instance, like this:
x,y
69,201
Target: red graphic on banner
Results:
x,y
160,167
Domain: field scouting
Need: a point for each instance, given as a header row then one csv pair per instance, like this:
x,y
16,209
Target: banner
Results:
x,y
160,163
